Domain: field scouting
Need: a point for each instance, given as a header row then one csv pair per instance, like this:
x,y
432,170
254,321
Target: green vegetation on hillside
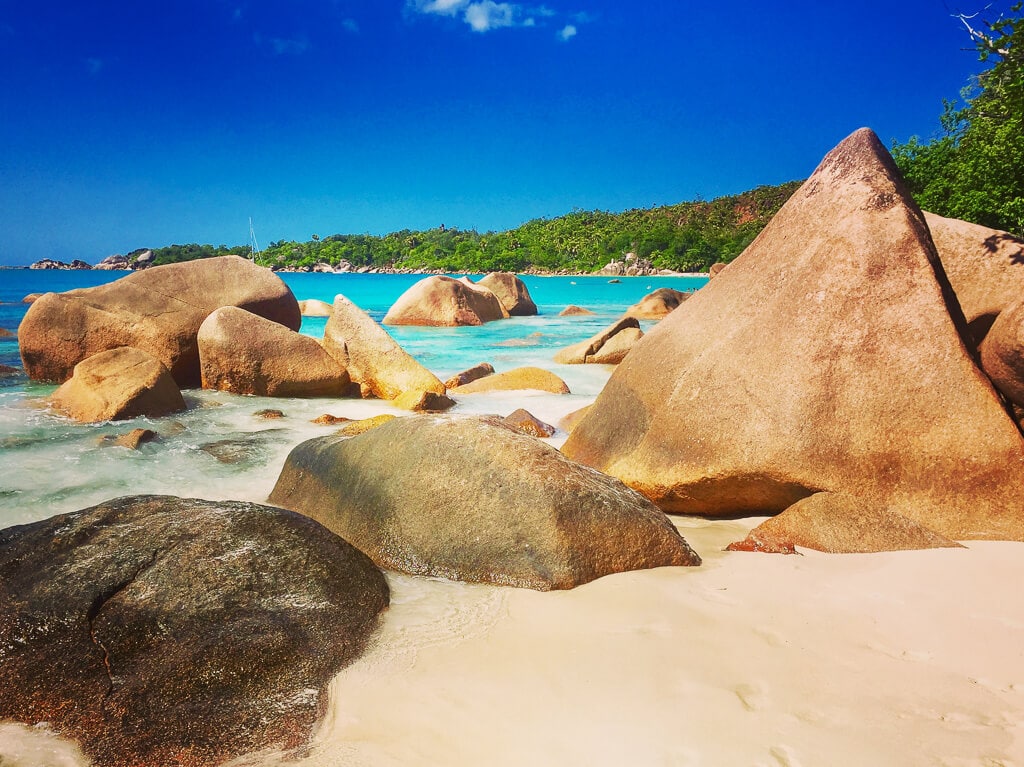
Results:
x,y
685,237
975,169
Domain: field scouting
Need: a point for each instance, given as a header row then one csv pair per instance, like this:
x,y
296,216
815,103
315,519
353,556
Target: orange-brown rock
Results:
x,y
1002,353
373,359
526,422
574,311
472,374
511,291
31,298
839,524
158,310
467,499
657,304
422,401
571,420
716,269
118,384
985,267
608,347
5,333
515,379
243,353
132,440
825,358
314,307
355,428
269,414
441,301
330,420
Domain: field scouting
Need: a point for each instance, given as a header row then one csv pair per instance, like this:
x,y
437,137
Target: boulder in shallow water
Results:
x,y
511,291
116,385
827,357
441,301
158,310
526,422
468,499
314,307
157,630
516,379
574,311
657,304
243,353
373,359
607,347
471,374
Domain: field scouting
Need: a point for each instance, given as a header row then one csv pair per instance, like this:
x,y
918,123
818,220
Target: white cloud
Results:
x,y
487,15
443,7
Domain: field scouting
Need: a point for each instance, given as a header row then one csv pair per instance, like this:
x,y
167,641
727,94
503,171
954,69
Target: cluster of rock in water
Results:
x,y
857,374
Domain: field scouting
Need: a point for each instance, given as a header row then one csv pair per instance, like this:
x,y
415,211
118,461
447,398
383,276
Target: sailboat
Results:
x,y
254,248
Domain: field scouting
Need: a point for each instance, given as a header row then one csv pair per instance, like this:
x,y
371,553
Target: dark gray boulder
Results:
x,y
471,500
162,630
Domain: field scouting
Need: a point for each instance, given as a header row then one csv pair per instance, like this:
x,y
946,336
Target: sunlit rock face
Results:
x,y
471,499
158,310
829,358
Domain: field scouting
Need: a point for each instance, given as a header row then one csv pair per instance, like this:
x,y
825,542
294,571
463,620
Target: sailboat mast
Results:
x,y
254,248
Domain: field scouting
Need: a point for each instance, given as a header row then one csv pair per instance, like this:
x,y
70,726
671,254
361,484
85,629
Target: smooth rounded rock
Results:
x,y
468,499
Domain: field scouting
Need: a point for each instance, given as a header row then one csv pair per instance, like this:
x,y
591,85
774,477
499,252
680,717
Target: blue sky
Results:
x,y
144,123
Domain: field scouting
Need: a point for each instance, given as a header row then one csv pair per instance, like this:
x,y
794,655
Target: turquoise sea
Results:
x,y
219,450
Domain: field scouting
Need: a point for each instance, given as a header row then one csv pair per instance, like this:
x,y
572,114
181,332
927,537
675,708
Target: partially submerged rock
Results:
x,y
525,422
511,292
132,440
116,385
657,304
607,347
515,379
467,499
472,374
827,357
373,359
441,301
355,428
423,401
314,307
574,311
158,310
243,353
160,630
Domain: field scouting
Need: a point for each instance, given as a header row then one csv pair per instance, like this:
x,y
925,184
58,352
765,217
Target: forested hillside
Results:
x,y
689,236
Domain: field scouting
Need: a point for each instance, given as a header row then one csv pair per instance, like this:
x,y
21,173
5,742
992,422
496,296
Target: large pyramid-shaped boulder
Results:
x,y
158,310
825,359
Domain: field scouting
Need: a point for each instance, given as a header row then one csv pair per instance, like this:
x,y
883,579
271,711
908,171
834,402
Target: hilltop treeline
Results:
x,y
689,236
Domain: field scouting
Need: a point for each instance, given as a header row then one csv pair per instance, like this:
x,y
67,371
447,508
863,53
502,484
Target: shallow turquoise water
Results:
x,y
52,465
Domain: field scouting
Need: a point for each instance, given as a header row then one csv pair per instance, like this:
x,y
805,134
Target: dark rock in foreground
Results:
x,y
467,499
158,630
